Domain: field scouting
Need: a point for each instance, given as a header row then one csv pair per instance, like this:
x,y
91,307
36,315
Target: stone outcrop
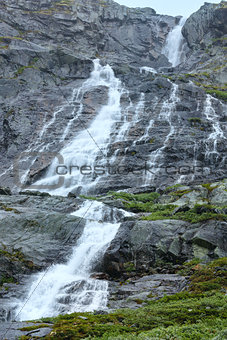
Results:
x,y
176,133
137,292
206,24
35,232
141,245
145,243
46,51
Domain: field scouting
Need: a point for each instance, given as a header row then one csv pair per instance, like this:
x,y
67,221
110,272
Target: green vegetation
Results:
x,y
210,277
137,202
149,203
6,279
15,256
62,6
199,313
209,187
172,187
129,267
8,38
32,328
202,313
9,209
194,121
198,213
145,197
219,94
22,69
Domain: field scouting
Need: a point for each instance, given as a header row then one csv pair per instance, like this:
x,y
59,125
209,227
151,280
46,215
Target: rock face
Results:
x,y
151,287
145,243
171,129
35,232
141,245
45,55
207,24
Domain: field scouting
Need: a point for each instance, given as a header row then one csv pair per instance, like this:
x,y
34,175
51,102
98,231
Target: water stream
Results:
x,y
68,287
174,49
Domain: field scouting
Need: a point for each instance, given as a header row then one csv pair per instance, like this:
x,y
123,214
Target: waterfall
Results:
x,y
68,288
174,49
166,114
91,143
212,155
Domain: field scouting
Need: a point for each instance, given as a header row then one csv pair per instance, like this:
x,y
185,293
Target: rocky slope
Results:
x,y
166,230
46,51
167,151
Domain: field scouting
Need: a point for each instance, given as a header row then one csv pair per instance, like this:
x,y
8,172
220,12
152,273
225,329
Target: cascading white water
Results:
x,y
217,134
166,114
174,49
147,70
92,142
67,288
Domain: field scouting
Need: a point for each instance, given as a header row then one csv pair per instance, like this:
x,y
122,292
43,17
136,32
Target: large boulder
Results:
x,y
35,232
146,243
206,24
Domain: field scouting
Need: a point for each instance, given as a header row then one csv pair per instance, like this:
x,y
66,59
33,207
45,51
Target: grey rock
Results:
x,y
136,292
206,24
5,191
39,229
145,243
52,54
11,330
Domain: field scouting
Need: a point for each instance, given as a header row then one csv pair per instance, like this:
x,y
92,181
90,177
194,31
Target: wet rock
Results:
x,y
145,243
5,191
99,276
206,24
13,330
38,232
136,292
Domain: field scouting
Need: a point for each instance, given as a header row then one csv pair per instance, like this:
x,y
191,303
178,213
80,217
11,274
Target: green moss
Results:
x,y
22,69
198,213
172,187
205,74
9,209
220,39
188,267
6,279
129,267
219,94
210,277
195,314
139,301
209,187
144,197
201,330
4,47
8,38
92,198
203,313
160,212
180,193
195,120
34,327
17,256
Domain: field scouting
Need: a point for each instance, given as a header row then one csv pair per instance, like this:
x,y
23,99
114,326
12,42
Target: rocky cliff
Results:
x,y
91,82
46,52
